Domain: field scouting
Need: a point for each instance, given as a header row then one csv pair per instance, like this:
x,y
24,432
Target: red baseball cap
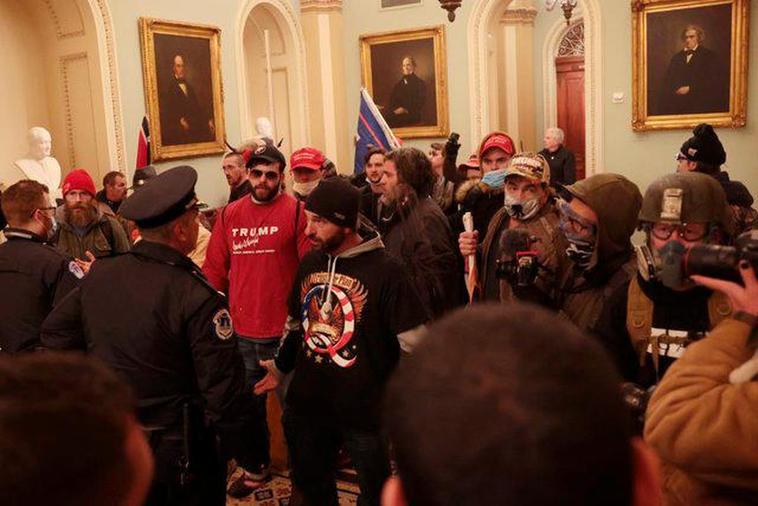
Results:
x,y
499,140
79,179
472,162
309,158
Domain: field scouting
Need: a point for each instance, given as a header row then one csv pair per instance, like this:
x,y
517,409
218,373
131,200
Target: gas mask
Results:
x,y
665,265
521,209
305,189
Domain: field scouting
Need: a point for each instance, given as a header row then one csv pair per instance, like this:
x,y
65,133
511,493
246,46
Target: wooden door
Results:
x,y
570,73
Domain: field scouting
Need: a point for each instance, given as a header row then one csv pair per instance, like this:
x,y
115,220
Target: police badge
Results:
x,y
222,321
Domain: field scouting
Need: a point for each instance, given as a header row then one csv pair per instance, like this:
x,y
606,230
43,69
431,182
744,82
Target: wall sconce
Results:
x,y
450,6
567,6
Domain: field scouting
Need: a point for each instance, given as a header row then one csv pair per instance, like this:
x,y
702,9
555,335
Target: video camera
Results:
x,y
518,264
713,261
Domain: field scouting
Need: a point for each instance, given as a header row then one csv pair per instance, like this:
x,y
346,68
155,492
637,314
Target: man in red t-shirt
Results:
x,y
253,255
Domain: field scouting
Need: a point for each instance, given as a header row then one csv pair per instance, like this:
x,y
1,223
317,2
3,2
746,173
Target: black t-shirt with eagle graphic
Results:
x,y
345,314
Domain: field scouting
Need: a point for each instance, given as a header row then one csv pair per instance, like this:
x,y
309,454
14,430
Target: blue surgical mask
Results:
x,y
495,179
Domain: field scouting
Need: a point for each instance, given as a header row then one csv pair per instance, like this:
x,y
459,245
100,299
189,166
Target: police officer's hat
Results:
x,y
141,175
162,198
265,150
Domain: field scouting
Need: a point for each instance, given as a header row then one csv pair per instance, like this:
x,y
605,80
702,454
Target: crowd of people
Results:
x,y
488,326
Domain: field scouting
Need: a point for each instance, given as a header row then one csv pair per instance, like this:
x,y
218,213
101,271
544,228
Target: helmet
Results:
x,y
686,197
529,165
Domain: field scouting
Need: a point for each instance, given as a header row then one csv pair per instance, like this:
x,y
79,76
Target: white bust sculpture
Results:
x,y
38,164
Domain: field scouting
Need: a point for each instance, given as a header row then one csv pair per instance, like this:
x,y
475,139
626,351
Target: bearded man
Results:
x,y
253,254
88,229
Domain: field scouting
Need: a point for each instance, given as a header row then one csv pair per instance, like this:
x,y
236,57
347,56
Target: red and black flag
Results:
x,y
143,145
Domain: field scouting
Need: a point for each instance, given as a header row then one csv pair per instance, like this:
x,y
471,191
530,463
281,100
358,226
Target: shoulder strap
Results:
x,y
639,318
106,227
719,308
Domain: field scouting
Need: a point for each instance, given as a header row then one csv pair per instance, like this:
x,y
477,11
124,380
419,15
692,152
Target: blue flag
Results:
x,y
372,131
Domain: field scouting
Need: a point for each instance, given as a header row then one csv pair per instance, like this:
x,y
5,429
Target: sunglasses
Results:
x,y
271,176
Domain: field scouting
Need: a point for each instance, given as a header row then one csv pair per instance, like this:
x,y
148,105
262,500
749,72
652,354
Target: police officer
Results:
x,y
646,324
35,276
151,316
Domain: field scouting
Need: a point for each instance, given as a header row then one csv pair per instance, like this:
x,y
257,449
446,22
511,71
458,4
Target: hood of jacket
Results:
x,y
473,188
616,202
371,241
736,193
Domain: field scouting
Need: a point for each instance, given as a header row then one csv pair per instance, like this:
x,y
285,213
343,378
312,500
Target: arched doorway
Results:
x,y
569,77
64,79
271,76
484,13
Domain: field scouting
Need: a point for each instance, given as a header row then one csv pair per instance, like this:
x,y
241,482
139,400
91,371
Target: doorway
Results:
x,y
569,66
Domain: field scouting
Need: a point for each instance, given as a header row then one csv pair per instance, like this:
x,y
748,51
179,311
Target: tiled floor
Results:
x,y
277,493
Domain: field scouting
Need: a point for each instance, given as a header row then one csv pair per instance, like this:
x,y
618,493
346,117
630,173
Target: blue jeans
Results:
x,y
255,429
313,445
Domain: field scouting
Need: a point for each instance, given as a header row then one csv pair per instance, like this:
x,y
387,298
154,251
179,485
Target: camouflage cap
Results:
x,y
529,165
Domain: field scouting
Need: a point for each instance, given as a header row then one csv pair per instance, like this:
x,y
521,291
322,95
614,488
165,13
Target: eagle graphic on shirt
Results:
x,y
330,313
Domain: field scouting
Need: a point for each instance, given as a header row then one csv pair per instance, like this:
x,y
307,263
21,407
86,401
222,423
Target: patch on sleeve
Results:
x,y
74,268
222,321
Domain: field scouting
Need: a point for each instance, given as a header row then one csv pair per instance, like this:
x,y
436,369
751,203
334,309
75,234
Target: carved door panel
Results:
x,y
570,75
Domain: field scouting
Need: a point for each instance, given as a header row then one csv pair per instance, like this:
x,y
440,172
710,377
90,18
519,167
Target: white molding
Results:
x,y
106,55
327,83
300,89
478,25
511,82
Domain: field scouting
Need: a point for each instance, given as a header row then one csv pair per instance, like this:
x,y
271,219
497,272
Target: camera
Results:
x,y
519,264
722,261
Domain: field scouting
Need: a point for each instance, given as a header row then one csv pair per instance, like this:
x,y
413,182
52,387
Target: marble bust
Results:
x,y
38,164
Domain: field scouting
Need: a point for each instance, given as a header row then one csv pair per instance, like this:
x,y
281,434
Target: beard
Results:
x,y
329,244
80,215
263,193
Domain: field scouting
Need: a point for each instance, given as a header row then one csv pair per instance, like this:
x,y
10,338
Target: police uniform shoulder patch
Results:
x,y
222,323
74,269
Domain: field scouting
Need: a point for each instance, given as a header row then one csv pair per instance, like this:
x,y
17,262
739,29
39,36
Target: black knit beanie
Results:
x,y
705,146
336,200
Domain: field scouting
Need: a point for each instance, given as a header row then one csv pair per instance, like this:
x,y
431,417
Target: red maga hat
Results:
x,y
309,158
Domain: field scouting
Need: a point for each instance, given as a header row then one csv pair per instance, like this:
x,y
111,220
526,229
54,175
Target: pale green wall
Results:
x,y
366,17
640,156
211,186
644,156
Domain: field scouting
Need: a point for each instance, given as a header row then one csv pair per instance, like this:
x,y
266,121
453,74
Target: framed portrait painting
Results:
x,y
183,93
690,63
405,74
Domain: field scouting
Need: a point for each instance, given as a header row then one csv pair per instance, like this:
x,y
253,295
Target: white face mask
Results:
x,y
522,210
305,188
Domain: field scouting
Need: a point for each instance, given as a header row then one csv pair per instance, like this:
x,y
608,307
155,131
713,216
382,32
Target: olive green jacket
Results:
x,y
103,237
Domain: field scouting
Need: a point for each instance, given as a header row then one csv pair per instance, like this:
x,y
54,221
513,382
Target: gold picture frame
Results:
x,y
676,87
423,97
181,65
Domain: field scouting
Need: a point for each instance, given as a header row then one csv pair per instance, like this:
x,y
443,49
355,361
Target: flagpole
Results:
x,y
269,82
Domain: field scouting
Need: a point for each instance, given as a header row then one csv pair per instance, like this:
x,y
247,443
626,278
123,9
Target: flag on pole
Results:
x,y
143,145
372,130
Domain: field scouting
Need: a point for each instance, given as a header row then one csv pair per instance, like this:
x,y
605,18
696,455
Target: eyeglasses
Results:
x,y
51,208
679,156
271,176
687,231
